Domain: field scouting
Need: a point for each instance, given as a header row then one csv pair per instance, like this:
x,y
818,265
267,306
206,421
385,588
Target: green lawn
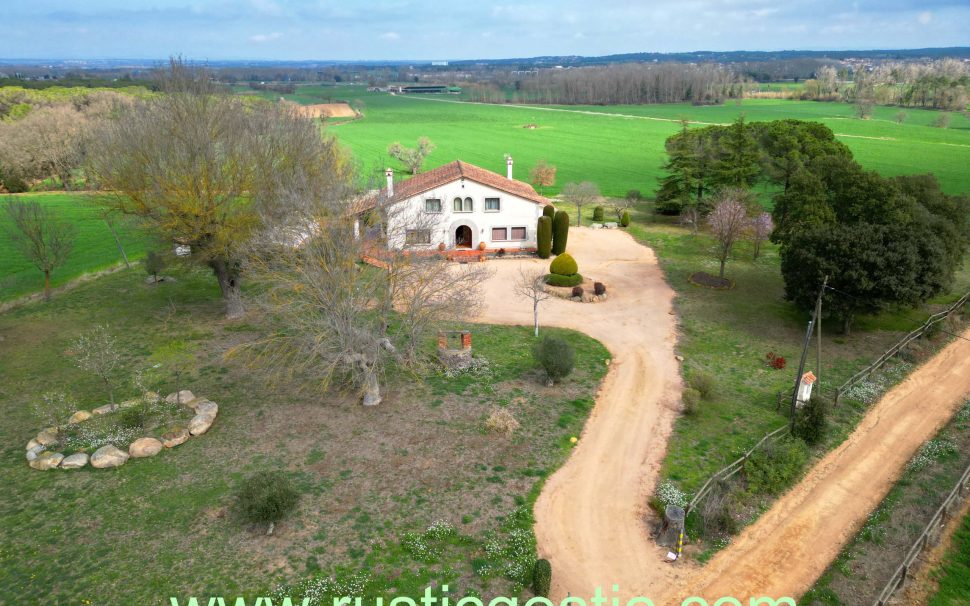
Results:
x,y
954,574
622,147
94,247
371,480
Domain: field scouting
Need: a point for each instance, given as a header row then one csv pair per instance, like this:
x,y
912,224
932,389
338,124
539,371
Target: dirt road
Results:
x,y
590,515
789,547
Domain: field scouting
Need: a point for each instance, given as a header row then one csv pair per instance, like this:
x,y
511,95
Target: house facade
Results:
x,y
461,206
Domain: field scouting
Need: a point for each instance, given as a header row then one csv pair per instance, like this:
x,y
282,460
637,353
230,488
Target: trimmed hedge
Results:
x,y
549,211
564,265
558,280
560,232
625,219
541,578
544,237
599,214
555,356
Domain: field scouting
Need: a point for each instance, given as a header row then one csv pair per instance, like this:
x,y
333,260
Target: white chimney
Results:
x,y
389,173
508,165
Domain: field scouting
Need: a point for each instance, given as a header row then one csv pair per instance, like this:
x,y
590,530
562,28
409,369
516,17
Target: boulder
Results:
x,y
103,410
75,461
46,437
178,435
31,455
145,447
202,406
108,456
33,444
47,460
81,415
200,424
182,397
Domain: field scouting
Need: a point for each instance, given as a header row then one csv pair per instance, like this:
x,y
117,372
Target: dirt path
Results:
x,y
590,515
789,547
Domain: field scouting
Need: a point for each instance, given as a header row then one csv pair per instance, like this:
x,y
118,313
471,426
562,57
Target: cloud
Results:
x,y
925,17
260,38
392,36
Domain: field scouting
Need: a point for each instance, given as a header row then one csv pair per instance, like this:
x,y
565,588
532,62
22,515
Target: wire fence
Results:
x,y
866,372
930,535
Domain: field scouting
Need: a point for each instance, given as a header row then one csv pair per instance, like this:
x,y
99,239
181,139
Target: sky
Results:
x,y
464,29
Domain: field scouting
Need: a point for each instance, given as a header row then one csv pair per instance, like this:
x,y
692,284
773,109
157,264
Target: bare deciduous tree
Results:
x,y
412,157
542,175
531,285
761,227
40,236
581,194
728,221
98,353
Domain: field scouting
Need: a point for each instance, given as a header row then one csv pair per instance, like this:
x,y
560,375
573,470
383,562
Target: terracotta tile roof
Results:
x,y
808,378
452,171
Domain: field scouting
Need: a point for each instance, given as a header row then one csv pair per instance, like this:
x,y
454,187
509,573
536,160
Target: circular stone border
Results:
x,y
108,456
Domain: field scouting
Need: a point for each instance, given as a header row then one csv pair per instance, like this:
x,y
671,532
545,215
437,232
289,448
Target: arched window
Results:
x,y
463,206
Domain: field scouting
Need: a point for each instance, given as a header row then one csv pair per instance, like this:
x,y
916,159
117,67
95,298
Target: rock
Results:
x,y
178,435
46,437
184,397
108,456
103,410
33,453
130,403
145,447
679,358
200,424
205,407
75,461
596,226
33,444
81,415
47,460
610,225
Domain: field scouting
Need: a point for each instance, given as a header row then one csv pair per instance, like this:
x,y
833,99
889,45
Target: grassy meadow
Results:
x,y
372,481
94,246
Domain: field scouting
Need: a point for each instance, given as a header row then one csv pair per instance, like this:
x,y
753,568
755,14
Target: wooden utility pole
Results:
x,y
816,316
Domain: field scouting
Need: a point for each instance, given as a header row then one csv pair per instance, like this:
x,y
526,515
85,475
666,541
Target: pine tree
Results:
x,y
739,159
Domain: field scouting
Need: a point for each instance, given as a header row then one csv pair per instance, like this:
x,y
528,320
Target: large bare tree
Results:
x,y
531,285
201,168
581,194
40,236
728,221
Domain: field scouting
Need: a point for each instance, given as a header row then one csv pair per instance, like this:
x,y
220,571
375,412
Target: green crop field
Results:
x,y
622,147
94,246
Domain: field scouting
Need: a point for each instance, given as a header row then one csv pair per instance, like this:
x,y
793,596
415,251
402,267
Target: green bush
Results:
x,y
154,263
555,356
691,399
557,280
625,219
564,265
544,237
134,416
541,578
560,232
772,469
633,194
549,211
266,497
599,214
703,383
717,511
811,422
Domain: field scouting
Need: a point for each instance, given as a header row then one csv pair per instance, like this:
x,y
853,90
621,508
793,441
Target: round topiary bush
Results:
x,y
266,497
557,280
555,356
599,214
541,578
564,265
544,237
599,288
577,291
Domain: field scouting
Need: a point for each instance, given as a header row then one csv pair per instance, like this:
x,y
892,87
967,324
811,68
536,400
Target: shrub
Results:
x,y
134,416
577,291
703,383
775,361
557,280
599,288
560,232
599,214
811,422
555,356
154,264
633,194
716,511
625,219
266,497
541,578
773,468
501,420
549,211
564,265
691,399
544,237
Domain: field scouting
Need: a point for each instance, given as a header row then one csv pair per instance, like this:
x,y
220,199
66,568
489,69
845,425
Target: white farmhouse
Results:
x,y
462,206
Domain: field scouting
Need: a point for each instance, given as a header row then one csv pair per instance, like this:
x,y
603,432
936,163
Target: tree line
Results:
x,y
883,242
